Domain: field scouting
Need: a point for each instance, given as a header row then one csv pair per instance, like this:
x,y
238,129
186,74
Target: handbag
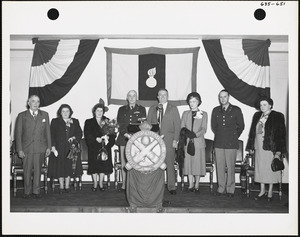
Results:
x,y
277,165
191,147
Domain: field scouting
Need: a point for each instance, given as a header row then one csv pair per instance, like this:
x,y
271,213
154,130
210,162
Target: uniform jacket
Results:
x,y
275,132
128,116
33,136
227,126
170,126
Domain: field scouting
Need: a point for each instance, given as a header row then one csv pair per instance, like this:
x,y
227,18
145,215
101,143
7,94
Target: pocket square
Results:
x,y
44,120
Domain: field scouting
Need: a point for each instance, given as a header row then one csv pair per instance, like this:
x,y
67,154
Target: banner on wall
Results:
x,y
242,66
56,67
146,70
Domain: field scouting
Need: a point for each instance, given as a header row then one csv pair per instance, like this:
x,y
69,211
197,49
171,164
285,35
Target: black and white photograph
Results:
x,y
150,118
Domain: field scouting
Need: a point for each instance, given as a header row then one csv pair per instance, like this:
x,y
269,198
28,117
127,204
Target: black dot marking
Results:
x,y
259,14
53,14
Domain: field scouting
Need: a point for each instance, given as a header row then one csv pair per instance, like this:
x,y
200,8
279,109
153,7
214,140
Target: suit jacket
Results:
x,y
275,132
32,136
199,127
170,126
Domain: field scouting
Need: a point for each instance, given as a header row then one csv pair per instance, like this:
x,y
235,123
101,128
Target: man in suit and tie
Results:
x,y
169,119
227,124
33,143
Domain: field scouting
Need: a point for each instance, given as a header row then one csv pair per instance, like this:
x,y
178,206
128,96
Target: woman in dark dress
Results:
x,y
96,139
267,139
65,130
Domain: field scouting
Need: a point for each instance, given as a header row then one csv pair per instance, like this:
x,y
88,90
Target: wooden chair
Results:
x,y
209,164
84,162
17,169
239,160
117,168
250,178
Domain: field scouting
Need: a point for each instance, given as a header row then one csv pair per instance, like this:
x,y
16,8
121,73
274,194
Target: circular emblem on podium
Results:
x,y
145,152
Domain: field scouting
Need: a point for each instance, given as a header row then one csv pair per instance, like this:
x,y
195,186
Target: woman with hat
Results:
x,y
97,139
194,121
267,139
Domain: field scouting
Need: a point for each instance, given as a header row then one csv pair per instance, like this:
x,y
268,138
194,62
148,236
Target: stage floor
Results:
x,y
113,201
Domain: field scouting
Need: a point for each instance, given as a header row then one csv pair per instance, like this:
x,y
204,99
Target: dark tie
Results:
x,y
224,109
34,115
160,114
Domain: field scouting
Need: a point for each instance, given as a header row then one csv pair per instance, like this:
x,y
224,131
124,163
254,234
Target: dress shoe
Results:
x,y
270,199
257,198
26,196
94,189
218,194
37,195
172,192
230,195
191,189
101,189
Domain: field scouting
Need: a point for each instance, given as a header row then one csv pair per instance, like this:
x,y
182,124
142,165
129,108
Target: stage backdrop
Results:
x,y
147,70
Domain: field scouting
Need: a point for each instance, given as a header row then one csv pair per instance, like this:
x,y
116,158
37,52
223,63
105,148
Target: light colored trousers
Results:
x,y
225,158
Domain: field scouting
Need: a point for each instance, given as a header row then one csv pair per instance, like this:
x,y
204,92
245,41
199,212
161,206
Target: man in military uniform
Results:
x,y
227,124
131,113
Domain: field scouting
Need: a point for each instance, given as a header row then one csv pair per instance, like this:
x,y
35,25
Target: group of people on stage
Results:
x,y
37,139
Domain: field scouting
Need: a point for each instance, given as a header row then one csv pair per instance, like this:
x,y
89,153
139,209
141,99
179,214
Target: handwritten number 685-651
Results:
x,y
272,4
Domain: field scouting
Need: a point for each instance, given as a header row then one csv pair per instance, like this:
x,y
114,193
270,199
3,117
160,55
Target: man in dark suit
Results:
x,y
227,124
169,127
131,113
33,142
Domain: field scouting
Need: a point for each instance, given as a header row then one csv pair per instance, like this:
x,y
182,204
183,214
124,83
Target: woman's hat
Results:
x,y
102,103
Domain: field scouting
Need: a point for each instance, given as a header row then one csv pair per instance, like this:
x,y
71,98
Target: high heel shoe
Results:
x,y
256,198
94,189
191,189
196,190
270,199
101,188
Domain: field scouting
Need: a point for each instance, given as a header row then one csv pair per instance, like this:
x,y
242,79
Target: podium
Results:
x,y
145,152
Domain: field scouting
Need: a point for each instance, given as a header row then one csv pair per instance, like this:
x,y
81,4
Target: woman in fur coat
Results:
x,y
267,139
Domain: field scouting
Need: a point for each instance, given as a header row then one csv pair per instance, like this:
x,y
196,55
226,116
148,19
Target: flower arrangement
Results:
x,y
74,153
69,122
199,114
109,127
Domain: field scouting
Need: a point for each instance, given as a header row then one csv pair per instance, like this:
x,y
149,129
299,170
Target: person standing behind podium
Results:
x,y
127,114
170,128
33,142
227,124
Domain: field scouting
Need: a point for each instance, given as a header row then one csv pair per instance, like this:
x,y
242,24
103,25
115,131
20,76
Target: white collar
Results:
x,y
31,112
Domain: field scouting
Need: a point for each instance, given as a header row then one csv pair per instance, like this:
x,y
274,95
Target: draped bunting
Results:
x,y
146,70
56,67
242,67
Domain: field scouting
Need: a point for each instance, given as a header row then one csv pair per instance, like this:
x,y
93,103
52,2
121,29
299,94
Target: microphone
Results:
x,y
160,107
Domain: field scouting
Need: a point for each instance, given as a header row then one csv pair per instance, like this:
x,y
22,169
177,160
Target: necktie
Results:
x,y
160,114
34,115
223,109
